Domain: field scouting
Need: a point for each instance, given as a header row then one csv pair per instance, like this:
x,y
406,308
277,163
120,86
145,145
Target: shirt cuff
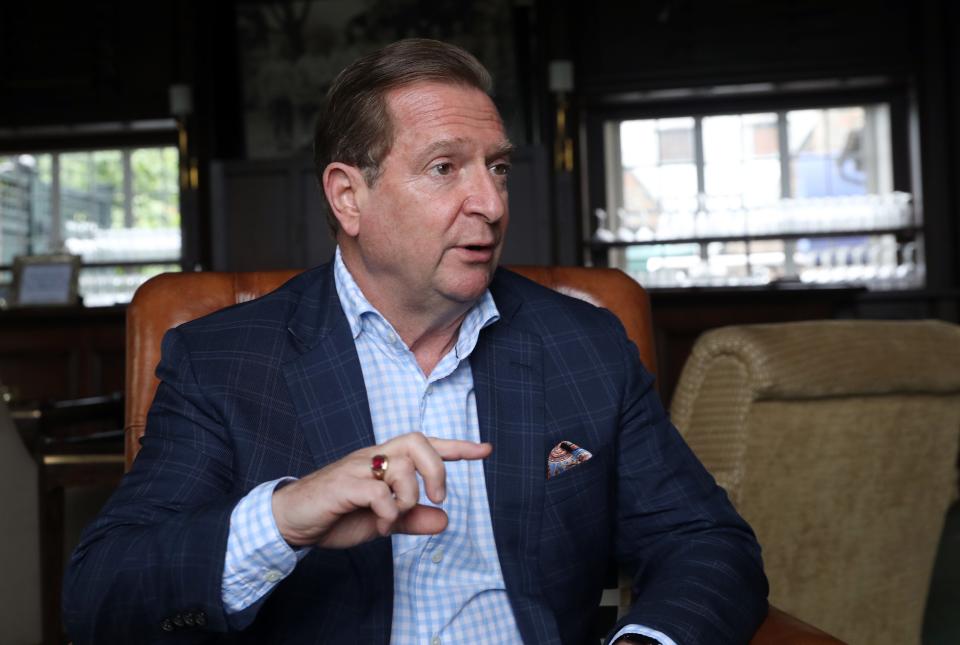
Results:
x,y
643,631
257,557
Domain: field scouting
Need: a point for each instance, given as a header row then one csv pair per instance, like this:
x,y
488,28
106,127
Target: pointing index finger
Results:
x,y
456,449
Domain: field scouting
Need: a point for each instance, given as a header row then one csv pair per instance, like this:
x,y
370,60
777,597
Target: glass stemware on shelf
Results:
x,y
602,233
730,217
718,241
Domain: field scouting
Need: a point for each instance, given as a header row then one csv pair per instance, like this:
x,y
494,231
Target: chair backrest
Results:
x,y
171,299
837,441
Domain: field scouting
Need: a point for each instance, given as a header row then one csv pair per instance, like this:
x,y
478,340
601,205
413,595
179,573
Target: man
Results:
x,y
408,444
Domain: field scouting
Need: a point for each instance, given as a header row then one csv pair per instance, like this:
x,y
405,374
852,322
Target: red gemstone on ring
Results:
x,y
379,465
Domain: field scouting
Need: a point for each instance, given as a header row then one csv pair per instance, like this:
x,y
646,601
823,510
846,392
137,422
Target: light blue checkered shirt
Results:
x,y
448,588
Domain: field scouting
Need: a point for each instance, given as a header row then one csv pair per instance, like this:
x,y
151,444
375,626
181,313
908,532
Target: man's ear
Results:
x,y
344,187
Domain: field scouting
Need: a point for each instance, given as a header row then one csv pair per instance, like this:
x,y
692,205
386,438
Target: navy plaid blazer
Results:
x,y
273,387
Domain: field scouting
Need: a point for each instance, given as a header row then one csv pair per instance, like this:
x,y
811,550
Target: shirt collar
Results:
x,y
358,310
352,300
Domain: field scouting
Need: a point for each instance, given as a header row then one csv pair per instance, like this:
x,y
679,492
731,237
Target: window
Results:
x,y
756,197
119,210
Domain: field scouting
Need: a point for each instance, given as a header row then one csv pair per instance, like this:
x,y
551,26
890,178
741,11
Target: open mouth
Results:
x,y
478,252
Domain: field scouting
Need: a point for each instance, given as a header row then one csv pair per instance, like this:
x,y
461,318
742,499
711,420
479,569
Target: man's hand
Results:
x,y
343,504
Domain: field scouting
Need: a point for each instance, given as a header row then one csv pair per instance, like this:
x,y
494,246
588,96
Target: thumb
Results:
x,y
421,520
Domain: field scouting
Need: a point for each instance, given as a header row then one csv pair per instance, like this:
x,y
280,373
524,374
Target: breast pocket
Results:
x,y
578,479
575,529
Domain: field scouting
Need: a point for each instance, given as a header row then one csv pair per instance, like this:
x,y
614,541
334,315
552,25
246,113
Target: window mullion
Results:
x,y
698,160
701,183
786,189
56,225
126,156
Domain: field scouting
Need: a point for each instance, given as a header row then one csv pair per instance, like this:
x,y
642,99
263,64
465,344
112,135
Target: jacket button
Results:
x,y
200,618
188,619
166,625
178,620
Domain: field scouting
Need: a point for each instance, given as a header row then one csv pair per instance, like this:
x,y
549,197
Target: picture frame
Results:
x,y
290,52
45,280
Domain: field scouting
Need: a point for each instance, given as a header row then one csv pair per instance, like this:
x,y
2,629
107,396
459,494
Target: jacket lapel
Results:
x,y
325,379
327,388
507,367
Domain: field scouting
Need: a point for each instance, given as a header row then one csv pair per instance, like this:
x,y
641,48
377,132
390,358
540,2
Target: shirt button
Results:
x,y
437,557
435,640
272,575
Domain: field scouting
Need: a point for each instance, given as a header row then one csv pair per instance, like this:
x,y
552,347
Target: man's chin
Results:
x,y
470,286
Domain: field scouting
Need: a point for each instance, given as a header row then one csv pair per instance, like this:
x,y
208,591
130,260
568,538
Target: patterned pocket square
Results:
x,y
564,456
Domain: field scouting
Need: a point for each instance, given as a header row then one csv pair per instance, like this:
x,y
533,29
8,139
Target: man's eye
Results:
x,y
501,169
444,168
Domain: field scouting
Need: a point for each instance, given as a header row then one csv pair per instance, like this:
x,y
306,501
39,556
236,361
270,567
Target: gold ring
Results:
x,y
379,465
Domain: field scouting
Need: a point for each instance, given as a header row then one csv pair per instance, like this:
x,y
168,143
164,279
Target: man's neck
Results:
x,y
433,344
429,331
428,336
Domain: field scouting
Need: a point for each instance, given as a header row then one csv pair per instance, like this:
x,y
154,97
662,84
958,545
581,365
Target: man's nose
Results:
x,y
486,196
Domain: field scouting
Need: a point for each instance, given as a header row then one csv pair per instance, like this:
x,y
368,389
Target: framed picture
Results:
x,y
290,52
45,280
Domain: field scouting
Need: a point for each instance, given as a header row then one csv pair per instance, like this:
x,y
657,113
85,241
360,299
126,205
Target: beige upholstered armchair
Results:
x,y
837,440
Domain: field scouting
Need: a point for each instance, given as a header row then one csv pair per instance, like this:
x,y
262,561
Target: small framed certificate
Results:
x,y
45,280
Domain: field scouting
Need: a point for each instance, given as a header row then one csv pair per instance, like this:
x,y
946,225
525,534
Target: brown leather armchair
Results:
x,y
171,299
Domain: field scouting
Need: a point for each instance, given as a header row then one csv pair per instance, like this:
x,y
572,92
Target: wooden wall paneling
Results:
x,y
671,43
530,236
55,354
316,232
268,214
263,216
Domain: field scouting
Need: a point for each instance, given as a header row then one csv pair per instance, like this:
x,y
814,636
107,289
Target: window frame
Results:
x,y
598,146
106,137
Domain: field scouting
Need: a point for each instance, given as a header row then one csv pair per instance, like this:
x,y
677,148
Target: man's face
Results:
x,y
432,225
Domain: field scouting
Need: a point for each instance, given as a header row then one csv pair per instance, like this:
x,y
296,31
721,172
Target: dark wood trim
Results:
x,y
81,141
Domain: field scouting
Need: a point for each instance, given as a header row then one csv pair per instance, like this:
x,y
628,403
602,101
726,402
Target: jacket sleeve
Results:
x,y
151,564
698,575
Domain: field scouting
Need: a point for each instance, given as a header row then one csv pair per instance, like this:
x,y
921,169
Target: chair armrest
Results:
x,y
781,628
